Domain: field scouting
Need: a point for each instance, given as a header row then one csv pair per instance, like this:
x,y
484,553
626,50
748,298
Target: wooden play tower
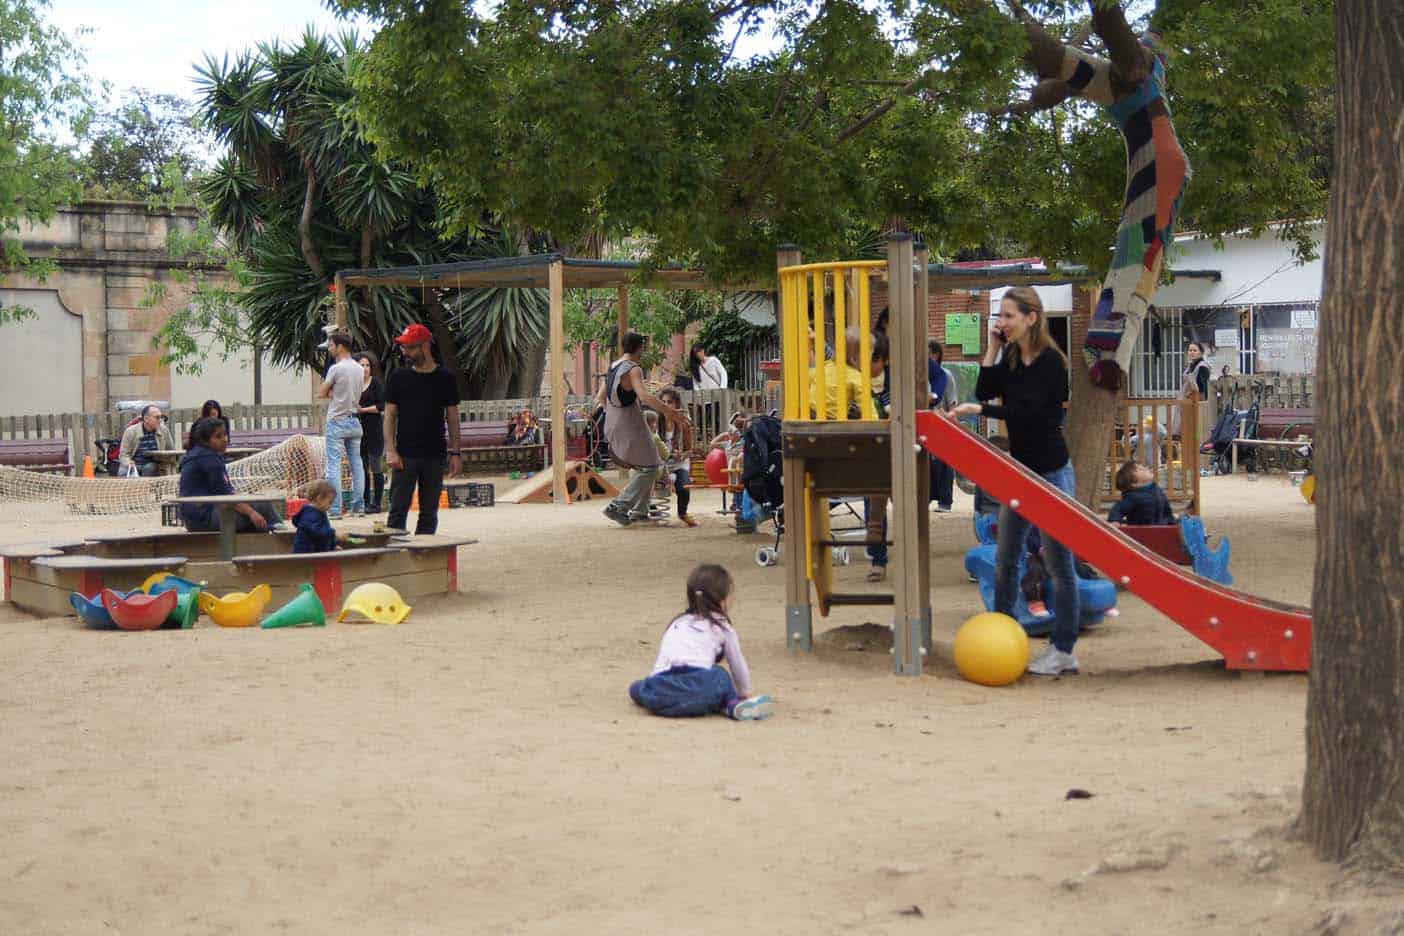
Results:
x,y
828,455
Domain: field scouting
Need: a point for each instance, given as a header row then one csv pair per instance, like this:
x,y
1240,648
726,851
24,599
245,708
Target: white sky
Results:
x,y
155,44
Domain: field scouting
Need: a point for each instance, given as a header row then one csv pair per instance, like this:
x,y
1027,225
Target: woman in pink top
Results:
x,y
687,678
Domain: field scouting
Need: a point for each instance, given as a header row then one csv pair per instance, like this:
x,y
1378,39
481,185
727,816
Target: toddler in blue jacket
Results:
x,y
314,530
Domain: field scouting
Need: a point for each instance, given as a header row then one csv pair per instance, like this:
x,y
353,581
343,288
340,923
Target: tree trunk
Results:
x,y
497,380
448,344
1353,796
1091,416
528,380
367,239
304,225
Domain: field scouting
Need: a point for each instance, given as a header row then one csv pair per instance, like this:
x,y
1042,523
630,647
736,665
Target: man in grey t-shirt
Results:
x,y
343,388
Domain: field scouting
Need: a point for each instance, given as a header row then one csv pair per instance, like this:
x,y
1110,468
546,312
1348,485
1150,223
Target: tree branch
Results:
x,y
304,224
1123,45
872,116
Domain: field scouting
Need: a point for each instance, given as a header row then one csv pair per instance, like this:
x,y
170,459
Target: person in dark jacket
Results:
x,y
203,474
1142,502
1031,380
314,530
372,416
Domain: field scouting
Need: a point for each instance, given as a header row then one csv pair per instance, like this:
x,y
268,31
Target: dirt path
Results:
x,y
480,768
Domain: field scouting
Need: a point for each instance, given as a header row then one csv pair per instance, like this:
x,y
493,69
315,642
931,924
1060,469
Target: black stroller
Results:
x,y
1234,424
762,474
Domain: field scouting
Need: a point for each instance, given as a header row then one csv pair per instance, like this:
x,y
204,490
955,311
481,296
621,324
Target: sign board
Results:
x,y
1303,318
963,328
1225,338
1287,350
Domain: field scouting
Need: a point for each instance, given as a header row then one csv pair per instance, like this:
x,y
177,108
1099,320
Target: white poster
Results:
x,y
1287,350
1303,318
1226,338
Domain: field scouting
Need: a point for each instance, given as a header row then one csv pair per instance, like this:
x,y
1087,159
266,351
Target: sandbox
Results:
x,y
40,577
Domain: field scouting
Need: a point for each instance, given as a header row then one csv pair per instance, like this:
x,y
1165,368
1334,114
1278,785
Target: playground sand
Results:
x,y
481,769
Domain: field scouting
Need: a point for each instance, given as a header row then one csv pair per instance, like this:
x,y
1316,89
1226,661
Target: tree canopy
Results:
x,y
574,118
145,145
43,112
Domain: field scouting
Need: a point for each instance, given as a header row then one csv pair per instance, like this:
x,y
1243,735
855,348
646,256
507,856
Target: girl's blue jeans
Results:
x,y
686,692
1013,534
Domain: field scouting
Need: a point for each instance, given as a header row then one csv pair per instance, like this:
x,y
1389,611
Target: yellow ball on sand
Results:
x,y
991,649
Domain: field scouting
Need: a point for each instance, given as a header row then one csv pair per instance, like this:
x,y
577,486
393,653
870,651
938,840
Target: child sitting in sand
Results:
x,y
314,530
1142,502
687,678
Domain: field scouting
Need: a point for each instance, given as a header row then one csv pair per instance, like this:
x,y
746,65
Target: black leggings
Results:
x,y
682,477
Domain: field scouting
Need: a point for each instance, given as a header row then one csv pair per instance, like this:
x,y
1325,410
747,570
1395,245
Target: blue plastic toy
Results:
x,y
176,584
1095,596
1213,565
92,612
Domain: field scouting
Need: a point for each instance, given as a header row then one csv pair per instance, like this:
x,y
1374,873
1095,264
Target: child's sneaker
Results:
x,y
1054,662
688,520
753,709
617,515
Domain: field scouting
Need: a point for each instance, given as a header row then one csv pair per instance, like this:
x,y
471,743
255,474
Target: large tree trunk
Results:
x,y
448,344
527,382
1353,797
1091,416
304,224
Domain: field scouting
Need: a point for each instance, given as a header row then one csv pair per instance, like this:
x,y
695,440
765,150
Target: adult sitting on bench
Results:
x,y
203,474
148,434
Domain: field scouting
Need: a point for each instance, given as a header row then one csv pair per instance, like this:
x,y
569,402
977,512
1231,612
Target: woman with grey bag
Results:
x,y
631,445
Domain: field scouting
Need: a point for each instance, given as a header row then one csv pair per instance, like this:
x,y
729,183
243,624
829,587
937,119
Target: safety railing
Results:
x,y
807,291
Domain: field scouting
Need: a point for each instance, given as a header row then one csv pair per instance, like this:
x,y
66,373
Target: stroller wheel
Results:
x,y
841,556
765,557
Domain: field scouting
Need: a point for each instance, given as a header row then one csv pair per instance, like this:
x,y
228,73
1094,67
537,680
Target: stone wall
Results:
x,y
109,254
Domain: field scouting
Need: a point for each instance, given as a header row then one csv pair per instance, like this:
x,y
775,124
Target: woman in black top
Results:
x,y
1197,371
1032,382
373,430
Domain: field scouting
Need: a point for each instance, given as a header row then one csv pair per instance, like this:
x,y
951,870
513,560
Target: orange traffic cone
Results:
x,y
443,500
88,466
414,501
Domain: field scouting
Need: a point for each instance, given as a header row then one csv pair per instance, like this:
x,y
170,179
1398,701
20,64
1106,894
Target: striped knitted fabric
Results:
x,y
1157,173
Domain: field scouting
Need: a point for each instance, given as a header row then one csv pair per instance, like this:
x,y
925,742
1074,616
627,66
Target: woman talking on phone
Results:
x,y
1032,381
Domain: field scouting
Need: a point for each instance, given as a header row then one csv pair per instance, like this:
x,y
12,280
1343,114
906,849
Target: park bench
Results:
x,y
267,438
1286,423
46,455
482,444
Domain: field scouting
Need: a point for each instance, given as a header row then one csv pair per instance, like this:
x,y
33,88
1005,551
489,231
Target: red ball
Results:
x,y
716,466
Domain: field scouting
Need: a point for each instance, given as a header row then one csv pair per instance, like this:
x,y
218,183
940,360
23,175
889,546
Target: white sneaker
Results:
x,y
1054,662
753,709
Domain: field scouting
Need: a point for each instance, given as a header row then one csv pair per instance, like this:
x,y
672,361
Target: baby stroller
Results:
x,y
1219,445
762,475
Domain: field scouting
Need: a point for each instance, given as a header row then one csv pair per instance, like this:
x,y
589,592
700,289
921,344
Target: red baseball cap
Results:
x,y
415,334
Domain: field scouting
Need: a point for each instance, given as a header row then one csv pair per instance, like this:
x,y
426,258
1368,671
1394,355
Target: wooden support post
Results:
x,y
623,319
923,396
556,280
341,303
799,619
901,301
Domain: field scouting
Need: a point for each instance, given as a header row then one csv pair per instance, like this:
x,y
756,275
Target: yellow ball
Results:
x,y
991,649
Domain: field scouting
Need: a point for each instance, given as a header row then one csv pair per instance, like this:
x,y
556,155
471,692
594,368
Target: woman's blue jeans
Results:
x,y
1013,536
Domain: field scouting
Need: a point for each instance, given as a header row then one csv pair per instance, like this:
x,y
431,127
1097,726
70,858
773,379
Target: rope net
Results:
x,y
287,466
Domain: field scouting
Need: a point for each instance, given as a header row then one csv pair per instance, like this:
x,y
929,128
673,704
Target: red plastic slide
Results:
x,y
1251,633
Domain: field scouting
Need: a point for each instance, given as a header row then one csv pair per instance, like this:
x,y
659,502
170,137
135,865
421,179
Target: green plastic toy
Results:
x,y
305,609
187,611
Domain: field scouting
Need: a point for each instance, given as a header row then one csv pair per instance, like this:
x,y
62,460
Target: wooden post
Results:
x,y
556,279
342,305
623,318
920,314
906,610
799,620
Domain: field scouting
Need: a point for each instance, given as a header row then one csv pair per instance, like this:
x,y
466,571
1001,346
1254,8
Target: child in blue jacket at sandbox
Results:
x,y
687,678
314,531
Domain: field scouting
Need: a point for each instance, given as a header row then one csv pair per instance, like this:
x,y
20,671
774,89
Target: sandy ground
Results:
x,y
481,769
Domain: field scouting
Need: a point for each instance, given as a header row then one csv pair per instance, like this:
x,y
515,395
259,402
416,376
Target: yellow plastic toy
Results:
x,y
153,579
237,609
376,601
991,649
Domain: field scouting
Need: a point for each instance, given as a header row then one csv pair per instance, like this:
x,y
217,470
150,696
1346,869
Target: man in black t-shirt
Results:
x,y
419,399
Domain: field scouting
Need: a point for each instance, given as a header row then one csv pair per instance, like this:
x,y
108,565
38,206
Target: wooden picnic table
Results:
x,y
224,505
168,459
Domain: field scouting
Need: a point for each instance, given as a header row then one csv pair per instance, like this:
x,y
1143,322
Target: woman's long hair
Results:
x,y
211,409
1196,364
694,365
665,422
1028,302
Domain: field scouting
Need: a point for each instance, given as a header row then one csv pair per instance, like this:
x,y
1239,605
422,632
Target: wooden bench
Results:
x,y
483,447
267,438
48,455
1286,424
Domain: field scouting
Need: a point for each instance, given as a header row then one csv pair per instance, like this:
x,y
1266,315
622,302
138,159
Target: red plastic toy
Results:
x,y
716,467
138,611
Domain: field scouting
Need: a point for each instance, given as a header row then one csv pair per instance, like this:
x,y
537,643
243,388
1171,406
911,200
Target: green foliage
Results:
x,y
43,106
727,335
636,117
146,146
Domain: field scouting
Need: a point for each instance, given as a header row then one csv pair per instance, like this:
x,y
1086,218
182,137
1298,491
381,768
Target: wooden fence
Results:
x,y
1163,435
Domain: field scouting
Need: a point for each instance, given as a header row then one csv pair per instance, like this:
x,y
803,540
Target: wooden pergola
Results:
x,y
553,272
556,273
